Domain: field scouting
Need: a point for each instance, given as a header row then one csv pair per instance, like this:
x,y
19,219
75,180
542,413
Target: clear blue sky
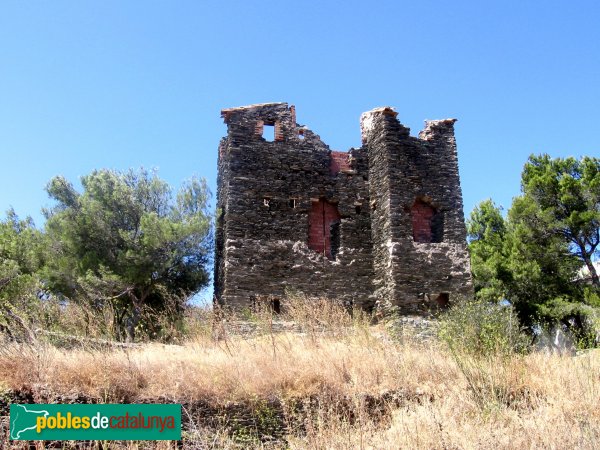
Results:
x,y
120,84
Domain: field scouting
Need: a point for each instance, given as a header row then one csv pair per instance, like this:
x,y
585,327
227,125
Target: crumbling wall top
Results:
x,y
386,116
367,118
255,109
249,123
434,128
370,119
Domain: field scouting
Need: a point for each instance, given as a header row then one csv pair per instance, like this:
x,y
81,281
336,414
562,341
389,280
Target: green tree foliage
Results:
x,y
566,195
127,243
534,256
486,229
21,251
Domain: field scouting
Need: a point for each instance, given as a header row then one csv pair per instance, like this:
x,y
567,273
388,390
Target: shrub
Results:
x,y
579,320
481,328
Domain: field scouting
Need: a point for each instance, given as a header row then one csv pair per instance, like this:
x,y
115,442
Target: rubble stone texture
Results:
x,y
379,226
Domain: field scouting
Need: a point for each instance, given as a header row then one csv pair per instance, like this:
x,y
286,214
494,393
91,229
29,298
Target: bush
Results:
x,y
579,320
481,328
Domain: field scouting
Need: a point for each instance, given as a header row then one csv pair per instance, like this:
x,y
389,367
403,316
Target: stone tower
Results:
x,y
377,226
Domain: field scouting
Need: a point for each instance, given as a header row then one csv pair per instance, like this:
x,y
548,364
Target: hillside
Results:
x,y
330,382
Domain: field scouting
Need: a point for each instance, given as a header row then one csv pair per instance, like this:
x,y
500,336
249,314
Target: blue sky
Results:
x,y
120,84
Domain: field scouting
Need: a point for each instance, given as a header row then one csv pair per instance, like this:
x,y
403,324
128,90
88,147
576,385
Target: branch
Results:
x,y
81,339
21,322
126,291
5,281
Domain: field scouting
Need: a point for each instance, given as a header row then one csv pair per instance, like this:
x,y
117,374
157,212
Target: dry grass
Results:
x,y
431,399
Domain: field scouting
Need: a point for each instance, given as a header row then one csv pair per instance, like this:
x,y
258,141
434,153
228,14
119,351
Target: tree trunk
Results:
x,y
592,269
132,322
136,316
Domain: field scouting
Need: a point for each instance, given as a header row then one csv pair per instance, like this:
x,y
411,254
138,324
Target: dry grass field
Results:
x,y
334,383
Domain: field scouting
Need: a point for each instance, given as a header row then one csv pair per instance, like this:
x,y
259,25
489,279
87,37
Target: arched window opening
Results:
x,y
427,223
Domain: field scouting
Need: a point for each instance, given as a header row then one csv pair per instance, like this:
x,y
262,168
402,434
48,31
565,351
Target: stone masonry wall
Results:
x,y
294,215
418,174
266,192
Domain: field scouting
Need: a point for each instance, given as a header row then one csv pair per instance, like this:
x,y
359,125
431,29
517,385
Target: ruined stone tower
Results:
x,y
381,225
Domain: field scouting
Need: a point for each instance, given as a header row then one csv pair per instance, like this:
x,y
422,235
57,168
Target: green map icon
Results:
x,y
60,422
24,419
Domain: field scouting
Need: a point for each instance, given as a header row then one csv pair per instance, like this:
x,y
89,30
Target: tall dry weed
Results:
x,y
340,383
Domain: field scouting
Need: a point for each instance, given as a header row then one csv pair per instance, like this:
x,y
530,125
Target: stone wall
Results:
x,y
266,192
414,184
292,214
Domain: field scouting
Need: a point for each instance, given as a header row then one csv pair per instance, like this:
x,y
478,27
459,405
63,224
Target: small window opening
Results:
x,y
269,132
276,306
357,208
293,203
443,300
300,134
265,303
267,202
